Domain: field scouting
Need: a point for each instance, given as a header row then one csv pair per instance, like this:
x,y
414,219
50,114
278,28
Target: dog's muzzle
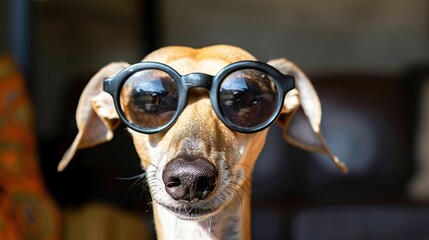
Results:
x,y
189,178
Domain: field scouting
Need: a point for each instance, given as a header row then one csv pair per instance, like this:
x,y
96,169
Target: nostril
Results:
x,y
174,182
205,184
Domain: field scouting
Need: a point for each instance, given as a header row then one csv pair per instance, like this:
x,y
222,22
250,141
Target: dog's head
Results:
x,y
198,165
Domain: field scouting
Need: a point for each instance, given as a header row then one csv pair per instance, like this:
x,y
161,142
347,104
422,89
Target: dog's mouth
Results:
x,y
190,211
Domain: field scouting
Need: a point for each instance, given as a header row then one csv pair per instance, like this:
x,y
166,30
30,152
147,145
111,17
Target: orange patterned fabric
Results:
x,y
26,209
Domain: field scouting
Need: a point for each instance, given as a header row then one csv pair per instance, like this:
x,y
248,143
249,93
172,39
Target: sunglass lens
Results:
x,y
149,99
248,98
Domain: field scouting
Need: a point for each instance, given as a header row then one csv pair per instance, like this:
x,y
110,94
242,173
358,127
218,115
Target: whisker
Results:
x,y
142,175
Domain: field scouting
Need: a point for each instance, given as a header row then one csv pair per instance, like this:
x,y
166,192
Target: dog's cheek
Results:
x,y
141,148
251,147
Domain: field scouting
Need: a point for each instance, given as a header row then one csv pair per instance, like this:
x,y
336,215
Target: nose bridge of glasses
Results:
x,y
198,80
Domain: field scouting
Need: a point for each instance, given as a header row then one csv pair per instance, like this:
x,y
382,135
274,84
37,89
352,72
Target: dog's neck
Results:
x,y
233,222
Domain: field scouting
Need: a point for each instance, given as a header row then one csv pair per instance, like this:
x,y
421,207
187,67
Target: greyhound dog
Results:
x,y
199,119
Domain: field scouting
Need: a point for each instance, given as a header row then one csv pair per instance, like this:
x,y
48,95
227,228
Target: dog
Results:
x,y
199,119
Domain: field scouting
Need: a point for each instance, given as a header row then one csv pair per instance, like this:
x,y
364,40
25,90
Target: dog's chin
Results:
x,y
192,212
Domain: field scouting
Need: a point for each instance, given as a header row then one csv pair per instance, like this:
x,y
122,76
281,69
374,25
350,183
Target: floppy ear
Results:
x,y
302,114
96,116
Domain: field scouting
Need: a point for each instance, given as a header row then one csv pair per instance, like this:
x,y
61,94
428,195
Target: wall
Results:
x,y
318,35
73,39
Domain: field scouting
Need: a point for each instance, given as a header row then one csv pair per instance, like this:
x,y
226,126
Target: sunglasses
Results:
x,y
247,96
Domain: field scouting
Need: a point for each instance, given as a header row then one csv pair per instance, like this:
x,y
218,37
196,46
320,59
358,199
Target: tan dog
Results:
x,y
198,137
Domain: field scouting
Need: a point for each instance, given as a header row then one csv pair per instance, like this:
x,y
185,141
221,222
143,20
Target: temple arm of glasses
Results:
x,y
109,85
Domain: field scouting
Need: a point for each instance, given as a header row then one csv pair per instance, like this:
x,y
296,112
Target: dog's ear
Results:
x,y
302,114
96,117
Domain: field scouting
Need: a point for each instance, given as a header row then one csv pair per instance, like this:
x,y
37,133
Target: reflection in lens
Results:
x,y
248,98
149,98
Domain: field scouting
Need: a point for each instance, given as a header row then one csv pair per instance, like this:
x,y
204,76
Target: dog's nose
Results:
x,y
188,178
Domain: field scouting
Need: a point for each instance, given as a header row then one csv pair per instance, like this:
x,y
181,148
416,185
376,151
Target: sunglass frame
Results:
x,y
284,83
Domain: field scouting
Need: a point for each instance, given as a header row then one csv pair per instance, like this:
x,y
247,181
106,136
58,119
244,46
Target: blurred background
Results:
x,y
368,60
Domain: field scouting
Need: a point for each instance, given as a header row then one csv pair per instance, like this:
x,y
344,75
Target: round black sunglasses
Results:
x,y
247,96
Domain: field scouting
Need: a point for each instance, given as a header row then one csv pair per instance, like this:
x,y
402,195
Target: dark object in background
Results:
x,y
368,120
362,222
